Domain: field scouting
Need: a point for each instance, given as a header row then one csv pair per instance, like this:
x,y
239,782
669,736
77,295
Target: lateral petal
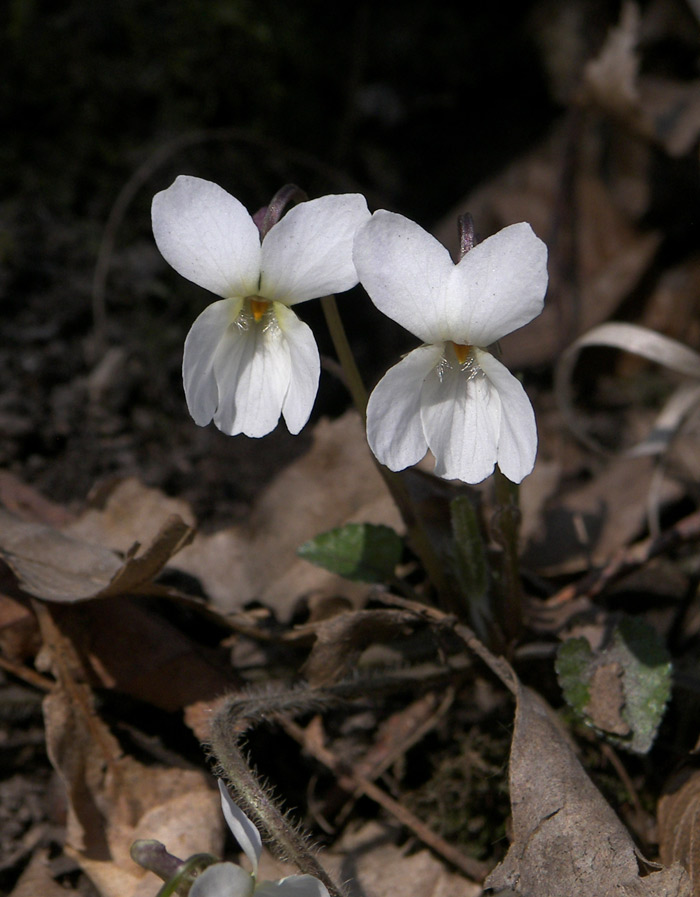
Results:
x,y
497,287
305,368
461,420
207,236
252,370
394,427
201,345
406,272
242,828
308,253
517,437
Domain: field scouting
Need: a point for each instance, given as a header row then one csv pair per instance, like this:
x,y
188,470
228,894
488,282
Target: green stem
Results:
x,y
353,378
506,531
417,535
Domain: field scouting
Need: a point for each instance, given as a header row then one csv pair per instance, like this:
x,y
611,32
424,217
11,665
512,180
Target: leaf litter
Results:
x,y
135,624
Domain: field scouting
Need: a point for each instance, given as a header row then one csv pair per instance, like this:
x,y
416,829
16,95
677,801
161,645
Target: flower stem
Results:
x,y
353,378
506,525
417,533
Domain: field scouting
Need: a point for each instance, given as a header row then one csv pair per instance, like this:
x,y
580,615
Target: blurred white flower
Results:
x,y
248,357
229,880
451,395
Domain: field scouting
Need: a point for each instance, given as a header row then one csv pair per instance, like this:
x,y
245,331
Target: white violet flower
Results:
x,y
230,880
451,395
248,358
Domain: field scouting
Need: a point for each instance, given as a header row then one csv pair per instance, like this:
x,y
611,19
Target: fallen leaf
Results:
x,y
659,109
334,483
679,823
112,798
566,838
56,567
37,880
341,639
381,869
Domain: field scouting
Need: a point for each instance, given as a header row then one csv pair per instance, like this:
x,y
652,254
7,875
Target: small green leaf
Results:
x,y
621,689
573,671
358,551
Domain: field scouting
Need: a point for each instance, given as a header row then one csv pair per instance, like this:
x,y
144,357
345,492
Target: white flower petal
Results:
x,y
308,253
202,341
223,880
497,287
405,271
517,438
305,368
292,886
394,427
252,368
207,236
241,827
461,420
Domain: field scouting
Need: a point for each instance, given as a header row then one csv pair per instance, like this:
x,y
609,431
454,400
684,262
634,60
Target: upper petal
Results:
x,y
517,437
394,427
223,880
252,369
497,287
461,420
308,253
305,368
201,390
405,272
241,827
207,236
292,886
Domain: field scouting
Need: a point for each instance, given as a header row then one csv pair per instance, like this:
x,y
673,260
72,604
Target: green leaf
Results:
x,y
621,689
358,551
573,669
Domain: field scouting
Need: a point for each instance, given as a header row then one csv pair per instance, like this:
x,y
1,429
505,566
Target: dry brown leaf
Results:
x,y
113,799
122,512
566,839
381,869
56,567
589,524
335,482
129,647
679,824
37,880
660,109
27,503
341,639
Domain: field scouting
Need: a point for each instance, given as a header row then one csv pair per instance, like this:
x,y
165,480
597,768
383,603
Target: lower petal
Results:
x,y
252,370
517,437
461,416
223,880
394,428
305,368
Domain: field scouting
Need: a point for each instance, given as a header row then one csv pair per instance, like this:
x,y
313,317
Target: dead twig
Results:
x,y
352,781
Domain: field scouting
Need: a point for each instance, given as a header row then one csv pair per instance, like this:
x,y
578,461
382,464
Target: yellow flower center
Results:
x,y
258,307
462,352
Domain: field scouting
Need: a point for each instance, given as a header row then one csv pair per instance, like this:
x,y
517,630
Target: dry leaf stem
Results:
x,y
352,781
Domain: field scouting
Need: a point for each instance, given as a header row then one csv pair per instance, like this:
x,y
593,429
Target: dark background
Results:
x,y
413,104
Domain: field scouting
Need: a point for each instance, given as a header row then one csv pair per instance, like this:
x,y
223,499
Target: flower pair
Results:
x,y
249,358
